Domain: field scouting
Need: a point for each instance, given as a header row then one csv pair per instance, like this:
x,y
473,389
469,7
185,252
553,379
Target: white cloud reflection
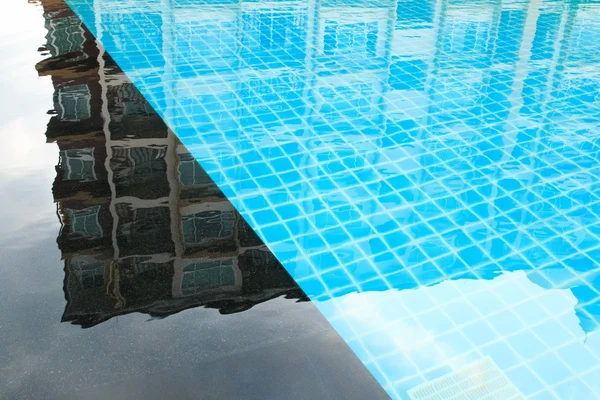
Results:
x,y
408,337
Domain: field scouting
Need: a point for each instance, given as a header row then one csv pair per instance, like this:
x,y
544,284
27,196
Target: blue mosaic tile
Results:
x,y
426,170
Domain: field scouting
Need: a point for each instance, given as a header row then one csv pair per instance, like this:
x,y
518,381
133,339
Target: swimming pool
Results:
x,y
427,171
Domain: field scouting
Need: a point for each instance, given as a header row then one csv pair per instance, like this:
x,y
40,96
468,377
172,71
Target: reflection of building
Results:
x,y
143,226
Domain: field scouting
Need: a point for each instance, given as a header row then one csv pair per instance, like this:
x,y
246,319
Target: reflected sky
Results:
x,y
416,336
127,272
399,147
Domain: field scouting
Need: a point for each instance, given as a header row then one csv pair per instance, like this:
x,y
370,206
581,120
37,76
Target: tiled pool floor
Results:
x,y
427,171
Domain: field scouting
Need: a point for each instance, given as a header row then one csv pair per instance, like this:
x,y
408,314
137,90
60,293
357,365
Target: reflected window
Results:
x,y
149,220
65,35
73,103
143,230
192,36
200,276
275,29
462,35
583,39
356,38
207,225
84,223
88,274
139,161
132,100
140,171
78,164
191,173
135,108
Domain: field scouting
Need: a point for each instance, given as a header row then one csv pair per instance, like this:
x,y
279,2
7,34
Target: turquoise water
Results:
x,y
427,171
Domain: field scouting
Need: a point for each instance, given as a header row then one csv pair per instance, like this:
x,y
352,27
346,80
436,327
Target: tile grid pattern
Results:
x,y
474,348
324,157
480,380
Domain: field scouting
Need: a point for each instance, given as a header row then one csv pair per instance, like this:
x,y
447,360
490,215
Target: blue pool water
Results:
x,y
427,171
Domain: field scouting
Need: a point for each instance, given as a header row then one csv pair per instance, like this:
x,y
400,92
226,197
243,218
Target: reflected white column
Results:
x,y
523,62
106,124
171,156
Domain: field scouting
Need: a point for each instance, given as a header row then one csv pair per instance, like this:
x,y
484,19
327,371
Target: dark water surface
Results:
x,y
126,273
